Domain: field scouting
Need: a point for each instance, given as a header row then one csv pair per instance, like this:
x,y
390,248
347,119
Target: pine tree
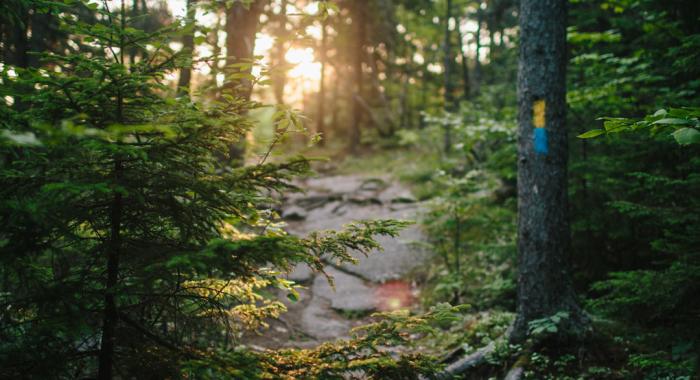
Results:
x,y
127,247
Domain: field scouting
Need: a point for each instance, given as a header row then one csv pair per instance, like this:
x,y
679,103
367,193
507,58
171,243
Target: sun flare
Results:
x,y
305,65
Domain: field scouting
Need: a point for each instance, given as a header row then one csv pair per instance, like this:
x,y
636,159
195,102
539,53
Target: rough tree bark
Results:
x,y
544,278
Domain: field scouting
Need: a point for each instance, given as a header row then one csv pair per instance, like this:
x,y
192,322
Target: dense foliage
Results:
x,y
125,232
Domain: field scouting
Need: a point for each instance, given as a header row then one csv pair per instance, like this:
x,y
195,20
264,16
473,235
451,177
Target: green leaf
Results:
x,y
592,133
687,136
671,121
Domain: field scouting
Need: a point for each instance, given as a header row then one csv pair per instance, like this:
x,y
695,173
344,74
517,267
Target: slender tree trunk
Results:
x,y
423,96
544,278
213,39
279,75
404,98
358,16
135,13
335,119
109,322
381,99
477,62
41,38
321,117
465,66
449,89
183,84
17,52
113,248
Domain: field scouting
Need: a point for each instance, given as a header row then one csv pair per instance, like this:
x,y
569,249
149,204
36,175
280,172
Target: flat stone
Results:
x,y
319,321
399,257
350,294
336,184
396,194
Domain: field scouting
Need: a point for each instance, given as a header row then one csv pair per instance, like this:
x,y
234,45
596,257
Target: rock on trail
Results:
x,y
379,281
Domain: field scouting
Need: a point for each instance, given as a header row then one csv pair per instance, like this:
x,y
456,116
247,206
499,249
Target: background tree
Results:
x,y
185,78
242,22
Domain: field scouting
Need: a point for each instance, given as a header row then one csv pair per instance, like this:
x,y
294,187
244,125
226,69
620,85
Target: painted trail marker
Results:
x,y
539,121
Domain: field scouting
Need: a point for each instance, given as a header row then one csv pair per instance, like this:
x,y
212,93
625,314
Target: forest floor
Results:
x,y
382,281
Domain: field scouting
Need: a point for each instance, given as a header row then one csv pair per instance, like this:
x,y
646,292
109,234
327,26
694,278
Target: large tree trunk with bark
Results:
x,y
544,278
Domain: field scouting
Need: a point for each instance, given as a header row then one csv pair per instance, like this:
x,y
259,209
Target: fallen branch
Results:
x,y
347,271
470,361
515,373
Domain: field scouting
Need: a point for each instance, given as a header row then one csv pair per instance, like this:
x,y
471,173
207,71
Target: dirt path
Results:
x,y
381,281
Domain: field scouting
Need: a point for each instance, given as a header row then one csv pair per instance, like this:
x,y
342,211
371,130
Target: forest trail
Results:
x,y
380,282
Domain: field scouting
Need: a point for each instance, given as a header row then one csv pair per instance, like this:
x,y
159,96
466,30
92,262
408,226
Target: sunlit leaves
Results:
x,y
681,123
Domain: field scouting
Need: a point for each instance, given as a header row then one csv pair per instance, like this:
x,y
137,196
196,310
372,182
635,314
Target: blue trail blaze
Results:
x,y
541,146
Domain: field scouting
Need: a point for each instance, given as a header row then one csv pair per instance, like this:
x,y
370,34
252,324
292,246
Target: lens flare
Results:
x,y
394,295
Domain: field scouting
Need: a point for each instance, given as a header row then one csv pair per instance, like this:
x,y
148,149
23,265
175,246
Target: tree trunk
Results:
x,y
465,67
449,96
109,322
134,14
477,62
241,26
113,247
183,84
544,278
358,20
279,74
335,119
321,117
213,40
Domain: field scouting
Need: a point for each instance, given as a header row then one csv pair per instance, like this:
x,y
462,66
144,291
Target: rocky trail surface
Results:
x,y
382,281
